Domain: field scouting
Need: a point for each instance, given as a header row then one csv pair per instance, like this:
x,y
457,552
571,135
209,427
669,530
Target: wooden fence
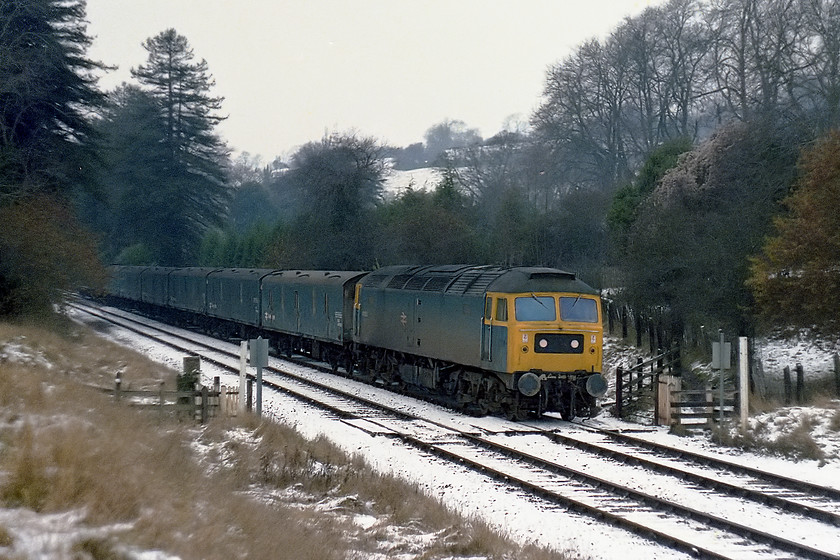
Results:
x,y
638,388
701,407
200,404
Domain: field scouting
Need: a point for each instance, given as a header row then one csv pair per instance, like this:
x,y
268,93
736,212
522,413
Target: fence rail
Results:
x,y
638,387
201,404
706,407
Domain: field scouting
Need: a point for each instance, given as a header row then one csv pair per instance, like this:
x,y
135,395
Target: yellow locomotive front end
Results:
x,y
554,348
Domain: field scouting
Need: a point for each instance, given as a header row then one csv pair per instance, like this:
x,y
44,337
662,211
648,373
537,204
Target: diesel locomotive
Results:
x,y
486,339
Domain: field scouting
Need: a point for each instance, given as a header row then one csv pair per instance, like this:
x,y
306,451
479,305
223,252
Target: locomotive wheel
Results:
x,y
516,414
489,397
567,406
513,411
332,360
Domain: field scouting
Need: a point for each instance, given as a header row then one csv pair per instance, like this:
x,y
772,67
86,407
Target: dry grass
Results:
x,y
792,439
235,488
834,423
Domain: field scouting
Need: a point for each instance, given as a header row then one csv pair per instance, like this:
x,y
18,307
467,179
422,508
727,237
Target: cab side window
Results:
x,y
501,310
488,308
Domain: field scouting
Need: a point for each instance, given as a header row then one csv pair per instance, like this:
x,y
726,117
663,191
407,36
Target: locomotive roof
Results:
x,y
230,273
476,280
193,271
319,277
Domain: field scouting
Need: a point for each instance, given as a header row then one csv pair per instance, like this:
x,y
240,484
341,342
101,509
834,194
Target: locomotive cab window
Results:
x,y
488,308
535,308
578,309
501,310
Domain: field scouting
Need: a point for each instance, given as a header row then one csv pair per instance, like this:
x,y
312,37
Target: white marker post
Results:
x,y
243,368
259,360
744,380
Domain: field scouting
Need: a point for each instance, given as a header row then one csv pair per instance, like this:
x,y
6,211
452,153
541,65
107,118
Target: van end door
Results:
x,y
357,310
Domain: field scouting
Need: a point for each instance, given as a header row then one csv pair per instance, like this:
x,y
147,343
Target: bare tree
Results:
x,y
821,86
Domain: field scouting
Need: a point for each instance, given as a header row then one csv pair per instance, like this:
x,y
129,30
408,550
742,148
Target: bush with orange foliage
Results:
x,y
796,281
44,251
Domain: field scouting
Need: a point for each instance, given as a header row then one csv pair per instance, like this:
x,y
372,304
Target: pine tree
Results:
x,y
47,91
196,157
137,179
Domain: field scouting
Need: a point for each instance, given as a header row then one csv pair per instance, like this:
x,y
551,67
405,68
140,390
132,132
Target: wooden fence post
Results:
x,y
651,328
837,373
710,403
638,323
800,384
204,403
619,390
250,395
162,401
788,387
663,401
656,389
243,364
640,375
744,381
758,378
217,391
624,322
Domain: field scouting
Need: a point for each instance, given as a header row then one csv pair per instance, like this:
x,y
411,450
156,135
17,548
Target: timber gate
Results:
x,y
647,385
656,385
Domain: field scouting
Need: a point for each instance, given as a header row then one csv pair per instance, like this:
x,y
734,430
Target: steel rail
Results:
x,y
759,496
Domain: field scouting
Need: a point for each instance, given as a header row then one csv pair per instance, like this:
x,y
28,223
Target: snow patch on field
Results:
x,y
18,351
423,179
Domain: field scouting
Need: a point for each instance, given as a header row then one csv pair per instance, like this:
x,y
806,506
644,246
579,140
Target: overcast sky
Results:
x,y
292,70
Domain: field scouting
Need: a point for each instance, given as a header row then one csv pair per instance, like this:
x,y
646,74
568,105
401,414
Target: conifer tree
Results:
x,y
47,90
196,157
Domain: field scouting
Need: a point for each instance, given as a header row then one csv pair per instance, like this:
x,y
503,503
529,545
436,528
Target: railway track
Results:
x,y
690,507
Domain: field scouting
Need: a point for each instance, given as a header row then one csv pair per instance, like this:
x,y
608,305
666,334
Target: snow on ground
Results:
x,y
815,355
53,535
512,512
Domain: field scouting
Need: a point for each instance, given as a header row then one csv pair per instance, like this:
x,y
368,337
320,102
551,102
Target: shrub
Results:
x,y
43,252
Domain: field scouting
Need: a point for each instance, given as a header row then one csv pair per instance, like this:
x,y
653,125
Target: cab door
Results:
x,y
487,330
